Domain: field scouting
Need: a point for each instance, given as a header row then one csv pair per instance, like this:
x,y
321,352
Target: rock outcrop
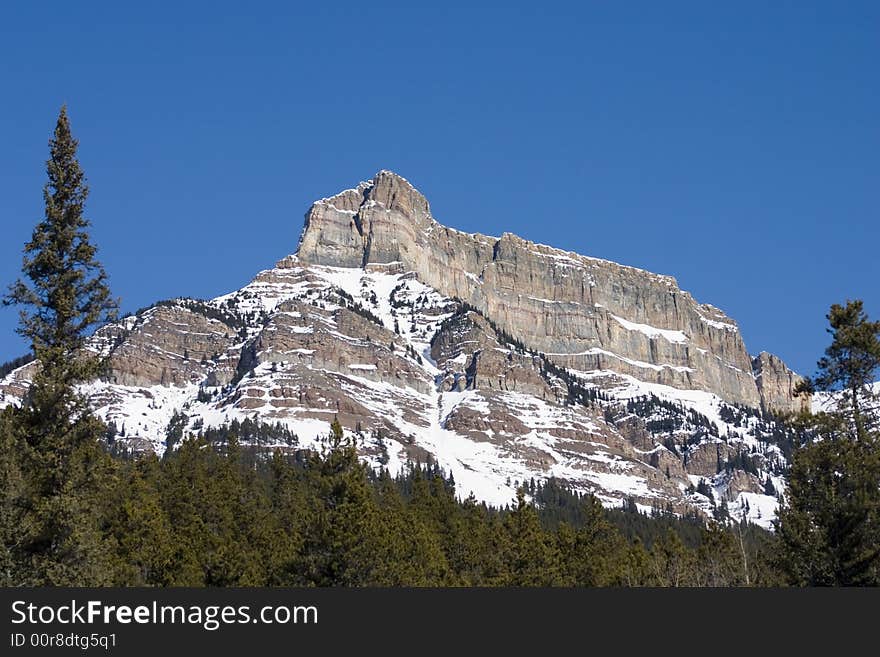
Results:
x,y
170,344
776,385
587,314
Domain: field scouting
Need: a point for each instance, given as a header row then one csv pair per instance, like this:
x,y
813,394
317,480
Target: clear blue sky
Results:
x,y
733,145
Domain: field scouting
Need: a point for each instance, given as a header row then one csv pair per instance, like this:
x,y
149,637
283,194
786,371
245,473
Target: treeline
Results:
x,y
213,515
14,364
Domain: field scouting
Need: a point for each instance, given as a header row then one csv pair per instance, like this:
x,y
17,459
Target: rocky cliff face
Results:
x,y
500,359
776,385
588,314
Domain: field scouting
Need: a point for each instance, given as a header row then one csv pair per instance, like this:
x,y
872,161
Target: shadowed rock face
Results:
x,y
589,314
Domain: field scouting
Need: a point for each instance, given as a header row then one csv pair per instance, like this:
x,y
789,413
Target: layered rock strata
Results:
x,y
587,314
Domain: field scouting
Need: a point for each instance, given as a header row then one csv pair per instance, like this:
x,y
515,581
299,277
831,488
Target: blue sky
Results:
x,y
733,145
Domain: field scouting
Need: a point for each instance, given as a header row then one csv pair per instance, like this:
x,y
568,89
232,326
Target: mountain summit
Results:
x,y
589,315
501,360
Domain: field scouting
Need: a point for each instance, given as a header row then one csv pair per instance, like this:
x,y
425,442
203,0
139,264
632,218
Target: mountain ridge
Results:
x,y
500,359
387,220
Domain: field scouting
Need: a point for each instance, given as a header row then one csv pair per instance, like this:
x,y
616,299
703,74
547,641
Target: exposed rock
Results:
x,y
668,463
15,385
473,357
776,385
589,314
741,482
708,459
171,345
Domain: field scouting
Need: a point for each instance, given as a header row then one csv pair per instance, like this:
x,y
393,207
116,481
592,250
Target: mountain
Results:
x,y
498,358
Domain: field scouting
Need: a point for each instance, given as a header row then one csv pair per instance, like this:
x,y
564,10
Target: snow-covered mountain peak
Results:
x,y
500,359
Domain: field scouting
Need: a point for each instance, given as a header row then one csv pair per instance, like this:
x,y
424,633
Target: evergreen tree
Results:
x,y
336,434
288,503
343,538
410,548
141,527
637,570
532,559
184,497
59,537
719,560
849,369
593,554
13,499
672,563
67,295
829,525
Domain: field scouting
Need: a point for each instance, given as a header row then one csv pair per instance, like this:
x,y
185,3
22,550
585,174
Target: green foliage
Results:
x,y
249,432
830,526
532,556
648,529
174,430
830,523
55,472
67,295
849,368
213,514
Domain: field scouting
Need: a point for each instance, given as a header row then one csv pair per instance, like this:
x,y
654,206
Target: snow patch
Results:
x,y
677,337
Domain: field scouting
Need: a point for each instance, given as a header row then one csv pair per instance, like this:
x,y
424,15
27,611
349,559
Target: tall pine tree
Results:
x,y
830,524
849,369
64,297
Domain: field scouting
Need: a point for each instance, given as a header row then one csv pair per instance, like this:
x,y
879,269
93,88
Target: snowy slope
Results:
x,y
298,356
